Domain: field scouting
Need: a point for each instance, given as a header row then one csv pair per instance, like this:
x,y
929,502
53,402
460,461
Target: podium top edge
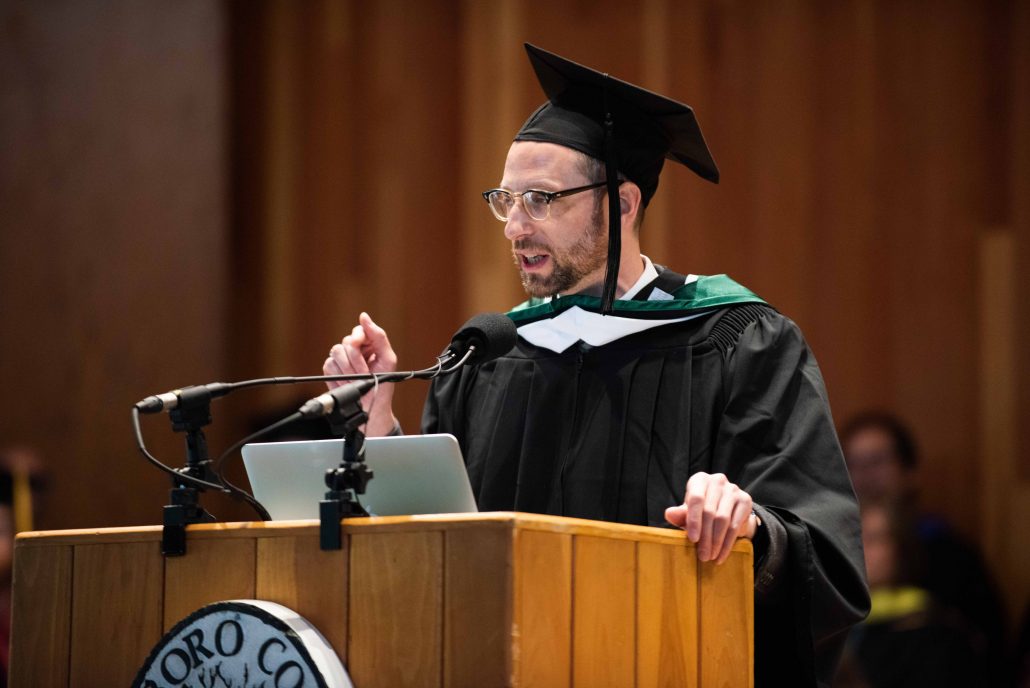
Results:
x,y
503,520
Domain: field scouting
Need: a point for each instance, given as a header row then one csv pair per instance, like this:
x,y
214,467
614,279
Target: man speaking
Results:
x,y
640,395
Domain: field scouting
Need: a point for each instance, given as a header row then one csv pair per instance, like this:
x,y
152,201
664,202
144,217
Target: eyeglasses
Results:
x,y
536,203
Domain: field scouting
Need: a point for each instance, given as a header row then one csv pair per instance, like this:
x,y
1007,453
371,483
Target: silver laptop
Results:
x,y
414,474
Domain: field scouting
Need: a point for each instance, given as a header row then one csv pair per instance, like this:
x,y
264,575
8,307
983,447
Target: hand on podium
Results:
x,y
715,512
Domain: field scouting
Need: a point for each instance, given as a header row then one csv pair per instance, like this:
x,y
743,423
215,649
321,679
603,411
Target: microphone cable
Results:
x,y
178,475
240,493
494,332
224,486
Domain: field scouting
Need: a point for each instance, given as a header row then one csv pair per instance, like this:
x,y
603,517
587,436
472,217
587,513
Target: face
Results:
x,y
876,471
567,252
879,548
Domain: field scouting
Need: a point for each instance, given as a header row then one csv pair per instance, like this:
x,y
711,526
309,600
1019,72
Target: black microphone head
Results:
x,y
492,335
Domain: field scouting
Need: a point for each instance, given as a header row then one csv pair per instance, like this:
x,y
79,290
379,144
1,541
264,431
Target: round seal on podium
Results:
x,y
243,643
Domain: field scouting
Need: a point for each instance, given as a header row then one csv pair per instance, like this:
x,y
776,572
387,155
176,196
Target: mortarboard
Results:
x,y
629,128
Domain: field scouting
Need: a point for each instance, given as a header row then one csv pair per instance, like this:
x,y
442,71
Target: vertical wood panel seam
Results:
x,y
636,614
164,594
256,563
510,610
572,609
350,586
345,540
442,617
161,606
700,607
71,614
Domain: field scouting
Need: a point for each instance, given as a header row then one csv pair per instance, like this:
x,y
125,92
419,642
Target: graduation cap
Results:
x,y
629,128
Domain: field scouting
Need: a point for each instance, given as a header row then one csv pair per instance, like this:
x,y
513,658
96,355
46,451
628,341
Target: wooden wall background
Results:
x,y
200,190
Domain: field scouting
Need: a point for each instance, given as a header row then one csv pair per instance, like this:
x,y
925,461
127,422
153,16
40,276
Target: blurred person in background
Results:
x,y
1021,655
6,569
21,480
909,638
25,468
883,460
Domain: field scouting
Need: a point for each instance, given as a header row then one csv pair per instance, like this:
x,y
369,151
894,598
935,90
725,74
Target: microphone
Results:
x,y
326,403
187,396
489,335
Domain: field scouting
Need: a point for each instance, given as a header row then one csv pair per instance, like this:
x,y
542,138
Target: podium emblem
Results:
x,y
243,643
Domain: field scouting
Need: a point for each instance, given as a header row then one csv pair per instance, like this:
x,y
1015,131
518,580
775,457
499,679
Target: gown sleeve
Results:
x,y
444,407
776,440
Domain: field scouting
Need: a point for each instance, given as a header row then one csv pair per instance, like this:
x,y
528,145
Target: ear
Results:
x,y
630,200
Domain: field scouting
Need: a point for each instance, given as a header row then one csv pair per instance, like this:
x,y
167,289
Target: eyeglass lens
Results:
x,y
535,203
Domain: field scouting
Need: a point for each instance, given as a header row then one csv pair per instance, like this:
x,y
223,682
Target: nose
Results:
x,y
519,224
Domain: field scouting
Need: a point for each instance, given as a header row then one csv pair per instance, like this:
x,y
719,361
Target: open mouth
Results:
x,y
530,262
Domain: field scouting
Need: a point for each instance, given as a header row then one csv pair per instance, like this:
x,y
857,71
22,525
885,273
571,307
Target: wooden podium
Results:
x,y
493,599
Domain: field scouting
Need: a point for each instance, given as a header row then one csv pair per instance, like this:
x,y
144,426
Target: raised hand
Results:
x,y
367,350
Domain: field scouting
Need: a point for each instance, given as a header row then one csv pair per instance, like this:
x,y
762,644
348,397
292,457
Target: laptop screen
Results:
x,y
412,474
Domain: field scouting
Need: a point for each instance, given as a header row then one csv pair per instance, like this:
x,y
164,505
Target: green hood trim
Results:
x,y
706,292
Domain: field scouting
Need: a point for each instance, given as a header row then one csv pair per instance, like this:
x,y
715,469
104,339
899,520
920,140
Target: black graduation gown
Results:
x,y
613,432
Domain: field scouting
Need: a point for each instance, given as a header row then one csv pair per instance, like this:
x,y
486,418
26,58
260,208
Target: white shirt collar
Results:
x,y
649,275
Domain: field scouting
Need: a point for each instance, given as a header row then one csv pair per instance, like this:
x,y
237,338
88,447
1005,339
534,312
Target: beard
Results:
x,y
568,266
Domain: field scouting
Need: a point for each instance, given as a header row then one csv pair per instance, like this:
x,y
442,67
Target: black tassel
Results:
x,y
611,169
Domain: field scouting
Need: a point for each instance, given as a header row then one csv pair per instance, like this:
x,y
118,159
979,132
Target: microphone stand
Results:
x,y
346,481
189,417
192,411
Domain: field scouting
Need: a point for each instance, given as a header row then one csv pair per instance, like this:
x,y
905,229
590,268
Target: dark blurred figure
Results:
x,y
6,569
21,480
883,459
909,638
25,467
1021,665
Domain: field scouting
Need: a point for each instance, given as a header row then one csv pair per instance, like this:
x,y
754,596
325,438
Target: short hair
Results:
x,y
593,170
901,437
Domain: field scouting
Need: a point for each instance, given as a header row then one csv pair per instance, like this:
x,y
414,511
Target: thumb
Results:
x,y
677,516
372,330
374,334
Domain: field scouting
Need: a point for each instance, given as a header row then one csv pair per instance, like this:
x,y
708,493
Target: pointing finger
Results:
x,y
695,501
713,494
721,520
741,512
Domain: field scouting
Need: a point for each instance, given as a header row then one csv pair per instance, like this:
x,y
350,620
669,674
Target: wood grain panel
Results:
x,y
726,603
933,221
1018,22
667,615
543,608
112,151
477,607
295,572
213,569
396,609
506,579
604,612
41,616
1005,493
116,611
490,124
